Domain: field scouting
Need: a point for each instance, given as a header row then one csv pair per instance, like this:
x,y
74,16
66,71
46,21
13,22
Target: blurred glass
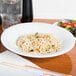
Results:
x,y
11,12
0,7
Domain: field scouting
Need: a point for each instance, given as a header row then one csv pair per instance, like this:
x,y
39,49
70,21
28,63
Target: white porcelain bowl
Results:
x,y
10,35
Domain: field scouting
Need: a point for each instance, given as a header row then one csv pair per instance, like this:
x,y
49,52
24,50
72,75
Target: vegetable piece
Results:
x,y
73,21
56,50
65,24
37,49
68,27
60,24
41,37
73,24
37,36
73,31
53,45
31,50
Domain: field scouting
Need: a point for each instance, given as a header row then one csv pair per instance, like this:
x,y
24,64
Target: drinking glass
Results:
x,y
11,12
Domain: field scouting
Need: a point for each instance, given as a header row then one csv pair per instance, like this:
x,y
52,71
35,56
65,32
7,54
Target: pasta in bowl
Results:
x,y
37,40
38,43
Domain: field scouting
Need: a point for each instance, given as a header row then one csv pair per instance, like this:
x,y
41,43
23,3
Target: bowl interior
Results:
x,y
10,36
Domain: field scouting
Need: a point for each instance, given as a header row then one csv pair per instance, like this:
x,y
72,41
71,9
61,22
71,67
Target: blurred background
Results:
x,y
54,9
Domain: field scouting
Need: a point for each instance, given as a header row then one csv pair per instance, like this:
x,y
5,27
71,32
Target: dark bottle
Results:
x,y
27,15
0,20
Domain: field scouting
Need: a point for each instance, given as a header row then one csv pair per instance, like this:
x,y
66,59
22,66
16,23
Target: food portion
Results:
x,y
69,26
38,43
